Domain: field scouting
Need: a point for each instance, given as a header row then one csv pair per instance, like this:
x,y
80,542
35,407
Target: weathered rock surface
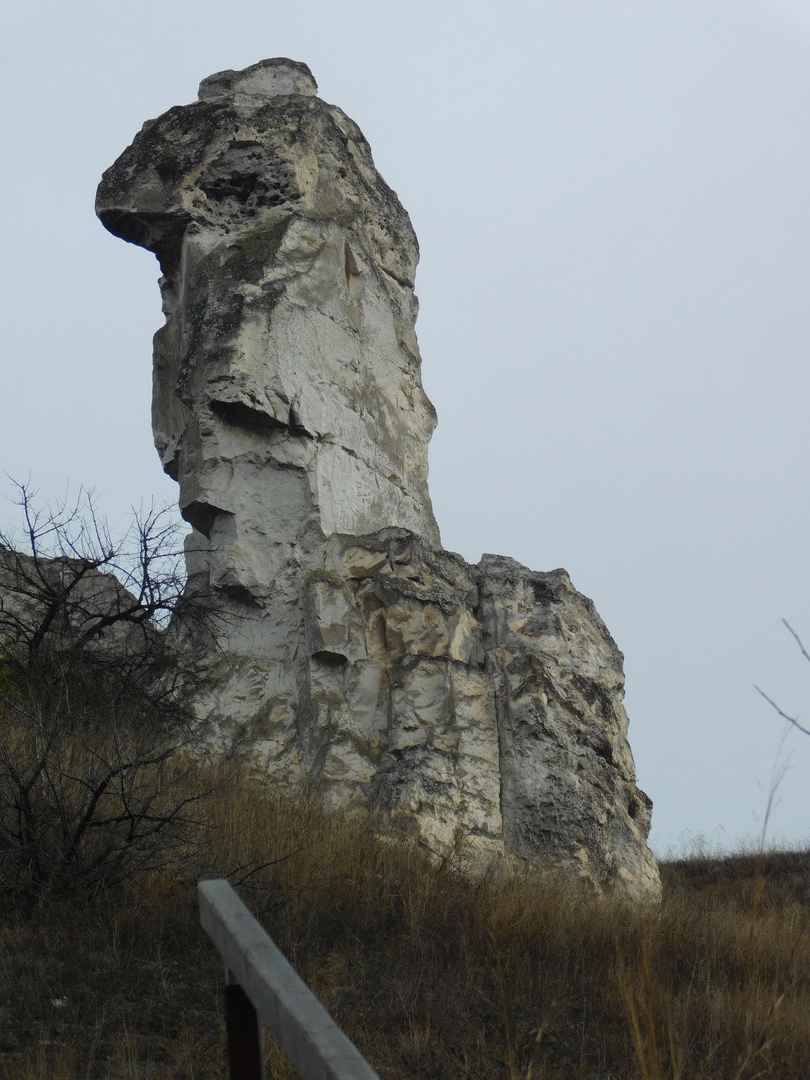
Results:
x,y
287,375
65,600
481,702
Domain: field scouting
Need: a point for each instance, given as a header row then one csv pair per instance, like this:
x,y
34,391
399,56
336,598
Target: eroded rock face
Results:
x,y
289,344
63,601
475,701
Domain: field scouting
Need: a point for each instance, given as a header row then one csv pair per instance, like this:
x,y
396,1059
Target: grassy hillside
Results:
x,y
433,975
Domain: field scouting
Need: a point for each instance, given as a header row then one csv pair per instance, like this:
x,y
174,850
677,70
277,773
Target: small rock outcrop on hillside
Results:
x,y
482,702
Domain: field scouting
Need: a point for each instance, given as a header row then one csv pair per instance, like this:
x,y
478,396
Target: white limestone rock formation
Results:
x,y
474,701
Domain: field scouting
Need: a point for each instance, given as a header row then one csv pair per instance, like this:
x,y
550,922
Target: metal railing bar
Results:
x,y
306,1032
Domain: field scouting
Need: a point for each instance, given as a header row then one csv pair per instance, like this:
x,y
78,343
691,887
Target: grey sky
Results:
x,y
611,199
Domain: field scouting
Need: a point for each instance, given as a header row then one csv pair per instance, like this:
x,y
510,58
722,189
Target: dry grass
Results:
x,y
433,975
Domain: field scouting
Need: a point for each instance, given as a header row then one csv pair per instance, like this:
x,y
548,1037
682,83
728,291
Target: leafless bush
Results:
x,y
96,720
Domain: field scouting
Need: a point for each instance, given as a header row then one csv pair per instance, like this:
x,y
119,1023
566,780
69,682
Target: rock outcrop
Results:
x,y
480,704
64,602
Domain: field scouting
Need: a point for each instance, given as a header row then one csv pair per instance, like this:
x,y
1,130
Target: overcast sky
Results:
x,y
612,199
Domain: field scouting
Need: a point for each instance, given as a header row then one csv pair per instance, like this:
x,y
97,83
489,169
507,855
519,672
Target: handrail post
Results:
x,y
243,1033
265,991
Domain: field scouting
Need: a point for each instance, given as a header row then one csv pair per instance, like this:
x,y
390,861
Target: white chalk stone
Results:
x,y
481,703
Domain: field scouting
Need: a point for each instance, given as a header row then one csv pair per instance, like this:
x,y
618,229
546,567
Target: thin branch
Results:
x,y
797,639
782,713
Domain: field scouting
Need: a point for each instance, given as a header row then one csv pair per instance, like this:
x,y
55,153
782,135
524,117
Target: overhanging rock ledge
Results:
x,y
482,702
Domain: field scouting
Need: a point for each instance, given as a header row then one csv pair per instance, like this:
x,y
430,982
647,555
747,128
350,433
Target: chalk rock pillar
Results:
x,y
289,343
476,702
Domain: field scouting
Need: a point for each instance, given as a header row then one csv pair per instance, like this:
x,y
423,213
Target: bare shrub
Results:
x,y
96,723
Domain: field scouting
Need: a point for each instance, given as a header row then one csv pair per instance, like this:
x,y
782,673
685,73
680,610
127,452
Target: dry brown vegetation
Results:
x,y
433,975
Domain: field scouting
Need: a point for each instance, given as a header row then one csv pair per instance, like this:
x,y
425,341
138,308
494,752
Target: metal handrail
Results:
x,y
263,990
